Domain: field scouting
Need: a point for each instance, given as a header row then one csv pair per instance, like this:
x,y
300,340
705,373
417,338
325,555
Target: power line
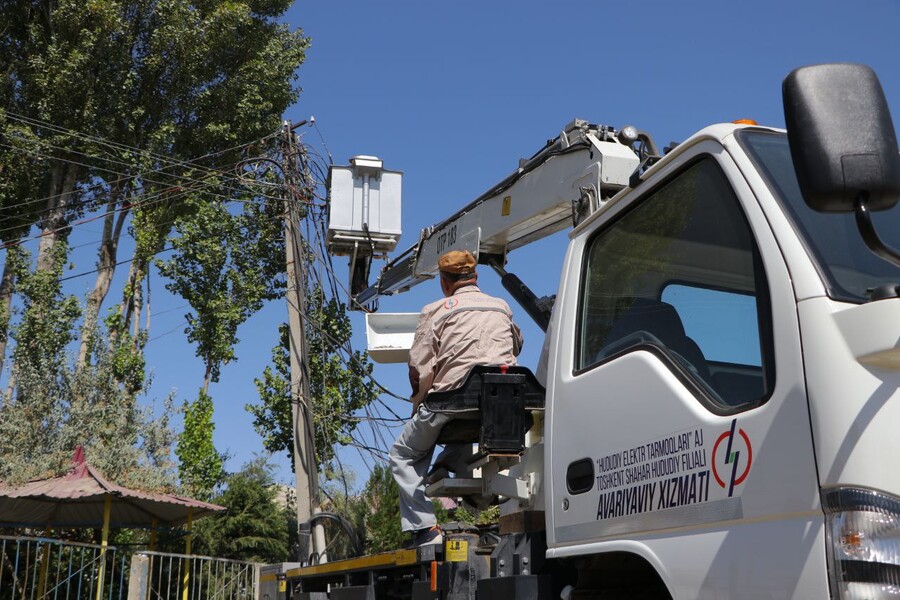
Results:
x,y
121,262
124,208
178,182
322,275
171,331
31,121
170,194
148,200
228,178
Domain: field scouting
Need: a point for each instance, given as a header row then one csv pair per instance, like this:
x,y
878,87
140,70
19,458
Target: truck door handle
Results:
x,y
580,476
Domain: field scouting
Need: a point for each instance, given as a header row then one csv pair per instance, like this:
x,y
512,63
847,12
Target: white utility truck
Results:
x,y
716,411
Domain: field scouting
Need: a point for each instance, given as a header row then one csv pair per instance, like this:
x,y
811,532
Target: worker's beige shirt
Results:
x,y
454,334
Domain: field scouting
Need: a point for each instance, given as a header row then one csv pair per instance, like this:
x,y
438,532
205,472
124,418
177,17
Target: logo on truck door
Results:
x,y
672,471
732,458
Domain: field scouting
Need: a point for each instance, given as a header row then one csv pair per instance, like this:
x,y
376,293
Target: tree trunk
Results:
x,y
106,268
131,306
131,296
147,303
53,196
206,379
7,285
125,303
11,384
137,304
62,184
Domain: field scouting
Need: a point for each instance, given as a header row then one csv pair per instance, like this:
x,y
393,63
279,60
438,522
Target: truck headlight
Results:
x,y
863,543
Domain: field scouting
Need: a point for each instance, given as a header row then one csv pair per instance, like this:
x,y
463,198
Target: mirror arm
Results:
x,y
869,235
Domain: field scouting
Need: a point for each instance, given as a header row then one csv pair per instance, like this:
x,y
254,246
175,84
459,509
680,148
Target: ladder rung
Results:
x,y
454,486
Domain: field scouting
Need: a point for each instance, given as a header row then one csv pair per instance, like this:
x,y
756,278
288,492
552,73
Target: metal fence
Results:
x,y
48,569
162,576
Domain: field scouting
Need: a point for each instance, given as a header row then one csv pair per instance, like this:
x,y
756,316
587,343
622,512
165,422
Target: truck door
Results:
x,y
678,420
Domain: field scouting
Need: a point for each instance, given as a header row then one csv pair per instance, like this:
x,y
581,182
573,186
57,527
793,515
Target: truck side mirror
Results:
x,y
843,144
841,137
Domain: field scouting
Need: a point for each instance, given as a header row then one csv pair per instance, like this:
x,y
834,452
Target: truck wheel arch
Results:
x,y
619,573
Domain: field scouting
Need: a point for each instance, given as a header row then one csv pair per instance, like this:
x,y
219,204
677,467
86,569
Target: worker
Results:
x,y
466,328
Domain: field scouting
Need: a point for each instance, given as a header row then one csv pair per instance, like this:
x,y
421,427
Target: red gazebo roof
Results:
x,y
77,499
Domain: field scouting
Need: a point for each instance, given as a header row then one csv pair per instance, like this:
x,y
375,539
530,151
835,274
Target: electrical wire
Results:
x,y
178,184
121,262
31,121
144,202
180,179
322,274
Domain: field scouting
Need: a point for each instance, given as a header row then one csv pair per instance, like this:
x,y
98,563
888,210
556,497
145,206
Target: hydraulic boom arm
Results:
x,y
562,183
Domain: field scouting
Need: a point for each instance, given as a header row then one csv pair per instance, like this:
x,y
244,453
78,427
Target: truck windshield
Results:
x,y
849,269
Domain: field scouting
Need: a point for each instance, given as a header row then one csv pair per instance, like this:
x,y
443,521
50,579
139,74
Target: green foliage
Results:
x,y
200,465
127,353
254,526
48,316
169,79
15,258
383,531
339,384
381,497
56,407
20,174
173,77
488,516
272,419
226,265
338,388
36,414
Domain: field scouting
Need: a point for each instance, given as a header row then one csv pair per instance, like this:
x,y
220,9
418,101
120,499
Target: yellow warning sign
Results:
x,y
507,205
282,586
457,551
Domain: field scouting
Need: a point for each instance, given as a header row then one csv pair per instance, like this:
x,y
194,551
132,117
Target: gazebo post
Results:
x,y
104,541
187,550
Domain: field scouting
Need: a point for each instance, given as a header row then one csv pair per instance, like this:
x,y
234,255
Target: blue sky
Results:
x,y
454,93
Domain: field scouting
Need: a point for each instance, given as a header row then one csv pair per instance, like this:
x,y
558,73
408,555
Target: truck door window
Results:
x,y
679,275
725,327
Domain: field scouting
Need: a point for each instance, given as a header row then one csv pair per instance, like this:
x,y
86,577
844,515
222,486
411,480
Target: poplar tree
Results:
x,y
339,384
132,111
227,263
54,408
117,94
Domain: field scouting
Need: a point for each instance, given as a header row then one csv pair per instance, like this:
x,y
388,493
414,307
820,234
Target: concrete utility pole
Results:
x,y
307,477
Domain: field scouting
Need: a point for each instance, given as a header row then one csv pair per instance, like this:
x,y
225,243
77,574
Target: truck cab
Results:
x,y
722,390
720,377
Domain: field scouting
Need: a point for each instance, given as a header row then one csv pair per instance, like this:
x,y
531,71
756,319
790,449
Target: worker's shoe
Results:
x,y
424,537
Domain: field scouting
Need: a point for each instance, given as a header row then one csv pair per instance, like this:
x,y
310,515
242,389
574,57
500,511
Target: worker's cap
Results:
x,y
457,262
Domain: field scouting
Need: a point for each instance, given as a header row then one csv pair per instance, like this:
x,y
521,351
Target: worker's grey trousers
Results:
x,y
410,458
